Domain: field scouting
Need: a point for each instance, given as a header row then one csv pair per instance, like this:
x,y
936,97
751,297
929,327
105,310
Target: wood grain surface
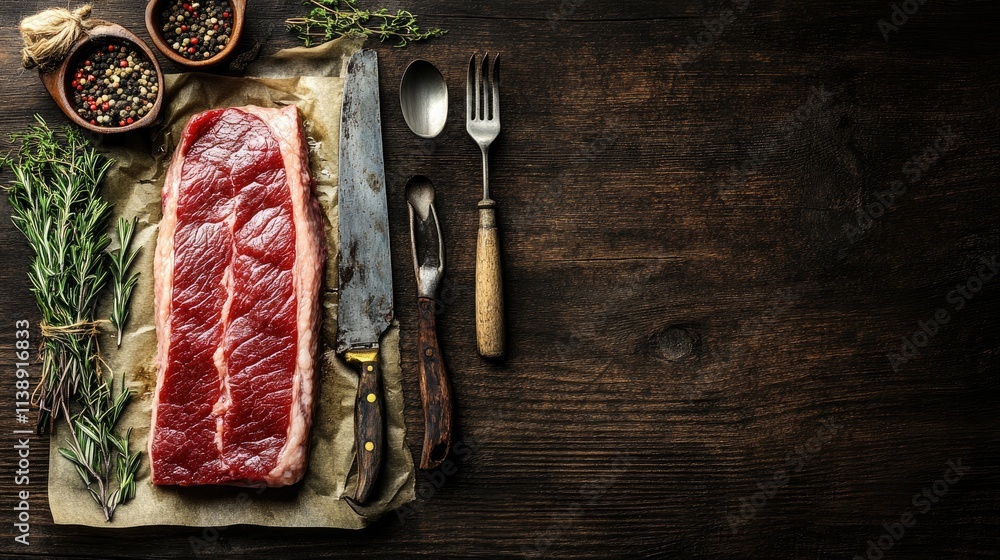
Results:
x,y
747,253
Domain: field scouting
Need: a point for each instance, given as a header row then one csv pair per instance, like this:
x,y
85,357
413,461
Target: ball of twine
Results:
x,y
48,35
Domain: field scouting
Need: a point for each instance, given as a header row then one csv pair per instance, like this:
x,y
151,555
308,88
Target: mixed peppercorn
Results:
x,y
114,85
199,30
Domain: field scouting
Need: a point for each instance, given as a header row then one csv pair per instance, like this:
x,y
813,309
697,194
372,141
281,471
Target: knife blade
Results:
x,y
365,308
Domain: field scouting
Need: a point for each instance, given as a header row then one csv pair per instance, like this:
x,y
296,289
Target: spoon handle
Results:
x,y
489,284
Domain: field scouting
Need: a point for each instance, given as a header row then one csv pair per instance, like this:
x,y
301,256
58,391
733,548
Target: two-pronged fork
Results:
x,y
483,124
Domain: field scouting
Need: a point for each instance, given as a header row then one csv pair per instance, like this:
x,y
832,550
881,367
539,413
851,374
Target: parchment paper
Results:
x,y
309,79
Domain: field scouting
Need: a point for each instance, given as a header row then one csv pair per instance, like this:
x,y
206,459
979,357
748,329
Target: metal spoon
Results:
x,y
428,265
423,96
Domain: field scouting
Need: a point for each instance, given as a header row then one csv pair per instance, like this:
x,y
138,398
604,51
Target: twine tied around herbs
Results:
x,y
48,331
85,328
49,34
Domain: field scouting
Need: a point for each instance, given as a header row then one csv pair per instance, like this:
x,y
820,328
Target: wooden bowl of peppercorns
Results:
x,y
195,33
109,82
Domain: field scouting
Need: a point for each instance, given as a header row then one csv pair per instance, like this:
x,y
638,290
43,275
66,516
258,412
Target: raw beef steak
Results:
x,y
238,266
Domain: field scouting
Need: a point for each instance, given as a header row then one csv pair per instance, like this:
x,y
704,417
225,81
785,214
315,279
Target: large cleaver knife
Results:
x,y
365,308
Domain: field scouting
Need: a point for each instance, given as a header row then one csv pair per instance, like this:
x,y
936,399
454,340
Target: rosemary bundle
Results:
x,y
55,203
330,19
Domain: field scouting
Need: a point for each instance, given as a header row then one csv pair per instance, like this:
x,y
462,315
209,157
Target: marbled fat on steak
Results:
x,y
238,267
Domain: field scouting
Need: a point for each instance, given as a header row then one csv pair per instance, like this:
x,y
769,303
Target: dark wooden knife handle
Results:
x,y
369,429
435,390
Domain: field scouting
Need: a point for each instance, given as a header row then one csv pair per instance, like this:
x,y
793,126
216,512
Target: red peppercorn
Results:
x,y
216,26
93,122
184,28
87,63
105,107
191,50
225,14
128,108
74,83
194,40
121,123
79,88
111,48
93,107
91,78
124,63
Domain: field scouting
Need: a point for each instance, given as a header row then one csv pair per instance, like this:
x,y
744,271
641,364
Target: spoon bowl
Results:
x,y
420,196
423,96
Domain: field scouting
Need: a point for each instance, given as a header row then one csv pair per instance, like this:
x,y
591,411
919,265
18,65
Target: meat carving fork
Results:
x,y
427,246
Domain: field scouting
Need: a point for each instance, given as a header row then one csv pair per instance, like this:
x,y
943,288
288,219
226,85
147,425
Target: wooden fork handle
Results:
x,y
435,391
489,285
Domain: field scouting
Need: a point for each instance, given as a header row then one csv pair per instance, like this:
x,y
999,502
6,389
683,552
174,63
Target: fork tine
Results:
x,y
479,90
469,92
484,70
496,86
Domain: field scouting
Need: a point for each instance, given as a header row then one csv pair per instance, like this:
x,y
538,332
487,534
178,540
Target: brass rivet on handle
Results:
x,y
370,368
369,446
371,397
428,352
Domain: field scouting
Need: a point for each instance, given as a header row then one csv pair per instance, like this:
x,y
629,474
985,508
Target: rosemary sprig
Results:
x,y
55,203
330,19
102,457
120,261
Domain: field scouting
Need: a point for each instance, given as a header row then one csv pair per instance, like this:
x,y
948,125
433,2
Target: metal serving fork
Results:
x,y
483,124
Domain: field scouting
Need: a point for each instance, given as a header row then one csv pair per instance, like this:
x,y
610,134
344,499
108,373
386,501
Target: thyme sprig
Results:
x,y
56,205
330,19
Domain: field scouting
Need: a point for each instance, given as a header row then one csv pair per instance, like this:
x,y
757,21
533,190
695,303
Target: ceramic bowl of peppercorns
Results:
x,y
109,82
195,33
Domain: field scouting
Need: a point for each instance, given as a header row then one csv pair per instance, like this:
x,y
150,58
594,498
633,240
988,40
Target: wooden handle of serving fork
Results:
x,y
435,391
489,284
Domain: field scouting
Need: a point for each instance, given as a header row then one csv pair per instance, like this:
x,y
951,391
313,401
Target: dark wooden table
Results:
x,y
748,310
